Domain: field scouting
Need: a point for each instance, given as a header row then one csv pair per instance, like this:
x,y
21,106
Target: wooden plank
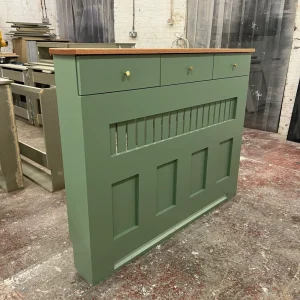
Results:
x,y
204,23
108,51
194,118
173,123
180,122
141,132
149,130
200,117
131,135
157,128
187,120
121,129
227,23
217,24
166,126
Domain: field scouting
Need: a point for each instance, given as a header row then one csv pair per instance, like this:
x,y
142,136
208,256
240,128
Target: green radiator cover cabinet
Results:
x,y
148,153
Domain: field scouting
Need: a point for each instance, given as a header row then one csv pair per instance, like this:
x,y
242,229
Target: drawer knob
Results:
x,y
234,66
191,68
127,73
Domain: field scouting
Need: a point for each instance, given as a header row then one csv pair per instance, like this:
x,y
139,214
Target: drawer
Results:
x,y
103,74
231,65
185,68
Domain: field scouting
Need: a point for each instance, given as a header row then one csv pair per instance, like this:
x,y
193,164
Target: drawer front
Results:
x,y
231,65
185,68
103,74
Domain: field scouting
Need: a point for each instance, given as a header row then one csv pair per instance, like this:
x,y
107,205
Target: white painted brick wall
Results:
x,y
25,11
292,80
150,22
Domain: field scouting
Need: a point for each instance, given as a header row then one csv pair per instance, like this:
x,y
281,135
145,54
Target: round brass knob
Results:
x,y
191,68
127,73
234,65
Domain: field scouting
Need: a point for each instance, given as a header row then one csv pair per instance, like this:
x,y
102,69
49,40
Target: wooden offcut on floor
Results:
x,y
247,248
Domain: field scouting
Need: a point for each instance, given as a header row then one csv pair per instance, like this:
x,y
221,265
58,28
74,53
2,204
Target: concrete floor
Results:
x,y
247,248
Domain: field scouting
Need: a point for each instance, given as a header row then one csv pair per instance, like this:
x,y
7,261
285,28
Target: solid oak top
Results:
x,y
113,51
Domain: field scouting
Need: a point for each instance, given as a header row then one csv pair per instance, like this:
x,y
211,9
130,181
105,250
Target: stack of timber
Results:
x,y
34,30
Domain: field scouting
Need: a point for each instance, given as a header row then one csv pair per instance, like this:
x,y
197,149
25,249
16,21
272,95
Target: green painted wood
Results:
x,y
125,196
217,113
141,132
121,134
222,111
150,130
113,138
198,171
173,123
194,118
166,126
102,74
175,68
211,117
227,109
187,120
232,108
224,65
205,115
180,124
166,187
121,204
200,117
157,128
131,134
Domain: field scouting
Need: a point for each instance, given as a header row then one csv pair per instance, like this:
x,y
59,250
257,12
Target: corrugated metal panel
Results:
x,y
86,21
266,25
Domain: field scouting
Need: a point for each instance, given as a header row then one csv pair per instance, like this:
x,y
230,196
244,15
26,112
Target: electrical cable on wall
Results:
x,y
171,20
133,33
45,18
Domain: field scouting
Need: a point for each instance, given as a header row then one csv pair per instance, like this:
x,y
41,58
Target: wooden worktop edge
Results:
x,y
112,51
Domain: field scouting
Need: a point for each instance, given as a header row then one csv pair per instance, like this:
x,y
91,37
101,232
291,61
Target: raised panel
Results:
x,y
166,186
224,159
125,197
198,171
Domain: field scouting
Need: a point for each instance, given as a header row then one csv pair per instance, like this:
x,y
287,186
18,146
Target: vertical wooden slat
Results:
x,y
217,113
141,133
211,114
149,130
121,129
166,126
187,120
205,115
194,118
180,121
157,128
131,134
232,109
227,110
200,117
222,111
113,139
173,123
